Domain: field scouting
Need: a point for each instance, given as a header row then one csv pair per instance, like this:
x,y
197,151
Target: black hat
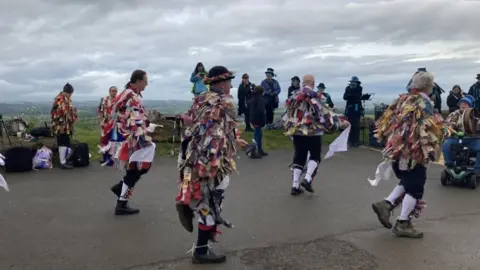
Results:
x,y
478,76
295,78
68,88
218,74
270,71
321,86
422,69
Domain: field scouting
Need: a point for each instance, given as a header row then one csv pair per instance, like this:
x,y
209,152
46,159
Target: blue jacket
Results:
x,y
198,85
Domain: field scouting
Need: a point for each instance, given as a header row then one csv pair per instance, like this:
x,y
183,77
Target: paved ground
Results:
x,y
64,220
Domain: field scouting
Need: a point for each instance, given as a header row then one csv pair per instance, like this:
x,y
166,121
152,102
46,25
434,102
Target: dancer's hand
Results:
x,y
242,142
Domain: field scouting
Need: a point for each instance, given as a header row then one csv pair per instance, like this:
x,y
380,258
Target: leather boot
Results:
x,y
123,209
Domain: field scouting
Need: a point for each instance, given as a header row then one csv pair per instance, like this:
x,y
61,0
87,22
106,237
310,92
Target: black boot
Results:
x,y
296,191
117,189
263,154
123,209
185,215
203,254
307,185
66,166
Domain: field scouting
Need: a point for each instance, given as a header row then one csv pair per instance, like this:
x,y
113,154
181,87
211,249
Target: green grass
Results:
x,y
272,140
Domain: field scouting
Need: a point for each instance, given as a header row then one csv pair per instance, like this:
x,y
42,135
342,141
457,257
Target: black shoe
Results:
x,y
264,154
296,191
208,258
117,189
185,215
123,209
249,130
66,166
255,156
307,185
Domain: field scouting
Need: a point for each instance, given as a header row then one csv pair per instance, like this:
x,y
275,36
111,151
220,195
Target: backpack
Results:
x,y
81,155
19,159
42,131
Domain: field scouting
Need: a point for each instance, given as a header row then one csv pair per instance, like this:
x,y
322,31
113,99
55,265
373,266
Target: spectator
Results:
x,y
294,87
454,97
258,116
436,94
272,90
197,77
354,109
325,96
475,92
244,93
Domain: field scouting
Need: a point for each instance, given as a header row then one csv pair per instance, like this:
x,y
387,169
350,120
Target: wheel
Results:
x,y
444,178
473,181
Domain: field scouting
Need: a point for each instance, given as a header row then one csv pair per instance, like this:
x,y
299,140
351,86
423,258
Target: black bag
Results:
x,y
42,132
80,155
19,159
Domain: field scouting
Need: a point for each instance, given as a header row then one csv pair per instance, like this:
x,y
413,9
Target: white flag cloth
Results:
x,y
384,172
151,127
3,183
340,144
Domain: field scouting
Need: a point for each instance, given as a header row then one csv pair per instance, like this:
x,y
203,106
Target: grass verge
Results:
x,y
272,140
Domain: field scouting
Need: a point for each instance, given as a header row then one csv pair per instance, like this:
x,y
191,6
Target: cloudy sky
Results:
x,y
96,44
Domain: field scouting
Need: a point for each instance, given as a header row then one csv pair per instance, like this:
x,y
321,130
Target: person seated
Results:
x,y
455,122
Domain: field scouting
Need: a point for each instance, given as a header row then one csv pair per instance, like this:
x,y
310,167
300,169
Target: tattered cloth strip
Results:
x,y
211,151
411,130
306,115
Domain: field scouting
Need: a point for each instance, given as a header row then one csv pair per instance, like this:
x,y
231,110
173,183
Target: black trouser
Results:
x,y
63,140
269,112
413,180
247,118
354,135
305,144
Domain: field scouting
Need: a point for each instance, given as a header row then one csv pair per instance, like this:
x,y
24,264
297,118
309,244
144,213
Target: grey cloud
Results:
x,y
49,42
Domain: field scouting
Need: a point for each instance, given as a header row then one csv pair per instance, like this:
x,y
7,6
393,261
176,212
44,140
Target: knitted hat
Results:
x,y
218,74
467,99
68,88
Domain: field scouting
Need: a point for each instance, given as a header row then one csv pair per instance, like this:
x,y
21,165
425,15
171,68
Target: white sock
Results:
x,y
62,154
296,177
408,205
311,166
68,153
396,193
123,194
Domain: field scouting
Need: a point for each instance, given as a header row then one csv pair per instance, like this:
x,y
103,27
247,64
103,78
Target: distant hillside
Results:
x,y
89,107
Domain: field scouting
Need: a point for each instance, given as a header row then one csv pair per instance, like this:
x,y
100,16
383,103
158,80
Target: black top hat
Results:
x,y
295,78
218,74
321,86
270,71
422,69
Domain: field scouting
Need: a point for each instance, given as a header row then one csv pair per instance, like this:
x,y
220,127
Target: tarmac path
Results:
x,y
64,220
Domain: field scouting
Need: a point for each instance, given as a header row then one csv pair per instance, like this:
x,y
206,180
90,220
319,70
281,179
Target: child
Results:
x,y
257,117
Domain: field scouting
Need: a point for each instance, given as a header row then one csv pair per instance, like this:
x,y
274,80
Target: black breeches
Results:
x,y
305,144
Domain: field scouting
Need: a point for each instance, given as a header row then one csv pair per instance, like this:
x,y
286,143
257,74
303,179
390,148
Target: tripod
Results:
x,y
4,132
364,99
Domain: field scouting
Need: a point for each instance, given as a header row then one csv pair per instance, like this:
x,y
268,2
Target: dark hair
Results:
x,y
111,87
137,75
199,64
68,88
245,76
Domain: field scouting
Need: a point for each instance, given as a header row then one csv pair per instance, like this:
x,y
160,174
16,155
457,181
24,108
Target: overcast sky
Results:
x,y
96,44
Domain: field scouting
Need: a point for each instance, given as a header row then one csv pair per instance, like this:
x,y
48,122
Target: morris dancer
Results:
x,y
104,114
306,119
206,161
129,120
63,116
413,134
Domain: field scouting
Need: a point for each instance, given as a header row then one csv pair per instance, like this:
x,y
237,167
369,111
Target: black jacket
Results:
x,y
257,109
452,101
353,98
244,93
475,92
291,90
